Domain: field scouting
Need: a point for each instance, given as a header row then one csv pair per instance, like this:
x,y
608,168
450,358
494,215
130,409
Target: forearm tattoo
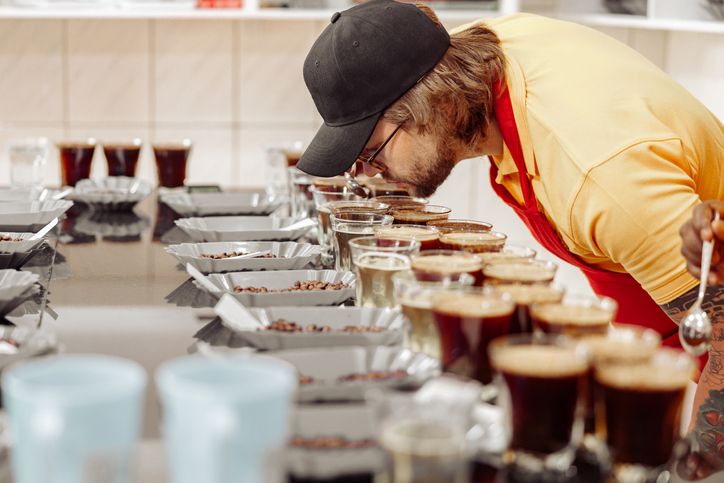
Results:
x,y
708,429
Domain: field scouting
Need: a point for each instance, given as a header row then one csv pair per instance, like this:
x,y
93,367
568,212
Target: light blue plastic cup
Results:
x,y
221,417
74,418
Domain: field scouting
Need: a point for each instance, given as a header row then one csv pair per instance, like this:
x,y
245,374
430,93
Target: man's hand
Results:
x,y
701,228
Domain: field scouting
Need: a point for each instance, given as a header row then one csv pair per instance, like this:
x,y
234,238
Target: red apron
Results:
x,y
635,306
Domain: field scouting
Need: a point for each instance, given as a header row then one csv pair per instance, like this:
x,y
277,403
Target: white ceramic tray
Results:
x,y
239,228
113,193
337,318
30,214
290,255
353,422
284,279
328,366
206,204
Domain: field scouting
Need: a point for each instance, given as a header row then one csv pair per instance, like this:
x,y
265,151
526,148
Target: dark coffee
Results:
x,y
545,385
473,241
419,215
330,185
524,296
75,162
122,159
525,272
640,412
571,320
400,201
449,226
466,324
171,161
445,265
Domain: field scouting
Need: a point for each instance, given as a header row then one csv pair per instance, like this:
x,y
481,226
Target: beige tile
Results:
x,y
271,57
31,70
108,70
104,133
253,143
193,71
52,166
211,159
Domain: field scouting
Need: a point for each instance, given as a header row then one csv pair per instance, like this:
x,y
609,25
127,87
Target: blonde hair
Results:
x,y
456,97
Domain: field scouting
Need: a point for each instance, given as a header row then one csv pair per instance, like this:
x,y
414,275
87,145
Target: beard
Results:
x,y
432,169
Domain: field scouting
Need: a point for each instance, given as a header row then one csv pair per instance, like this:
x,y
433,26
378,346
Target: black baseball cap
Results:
x,y
366,59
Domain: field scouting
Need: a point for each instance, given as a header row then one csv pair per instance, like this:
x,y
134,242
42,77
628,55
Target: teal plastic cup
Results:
x,y
74,418
222,417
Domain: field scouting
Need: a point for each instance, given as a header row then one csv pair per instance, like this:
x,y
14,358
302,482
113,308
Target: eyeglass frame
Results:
x,y
371,158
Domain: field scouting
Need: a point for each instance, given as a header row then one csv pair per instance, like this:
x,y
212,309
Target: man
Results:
x,y
600,153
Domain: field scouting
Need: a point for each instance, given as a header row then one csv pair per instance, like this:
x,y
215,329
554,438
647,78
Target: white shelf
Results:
x,y
453,15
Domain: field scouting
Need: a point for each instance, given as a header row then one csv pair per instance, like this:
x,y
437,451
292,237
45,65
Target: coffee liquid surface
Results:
x,y
539,361
446,264
472,306
521,272
573,315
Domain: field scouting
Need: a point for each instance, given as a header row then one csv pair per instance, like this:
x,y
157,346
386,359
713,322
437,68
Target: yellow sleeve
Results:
x,y
630,208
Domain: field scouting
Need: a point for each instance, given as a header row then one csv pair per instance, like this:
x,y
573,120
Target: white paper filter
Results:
x,y
239,228
290,255
335,317
283,279
32,213
24,243
111,193
205,204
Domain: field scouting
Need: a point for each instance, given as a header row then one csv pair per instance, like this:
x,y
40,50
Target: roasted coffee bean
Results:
x,y
298,286
331,442
374,376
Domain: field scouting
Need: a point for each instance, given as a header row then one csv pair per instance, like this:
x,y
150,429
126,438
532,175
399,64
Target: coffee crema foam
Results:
x,y
417,215
409,232
606,349
539,361
524,272
531,294
643,377
472,305
446,264
472,238
560,313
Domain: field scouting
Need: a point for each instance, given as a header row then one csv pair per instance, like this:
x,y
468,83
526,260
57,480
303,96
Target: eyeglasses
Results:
x,y
371,158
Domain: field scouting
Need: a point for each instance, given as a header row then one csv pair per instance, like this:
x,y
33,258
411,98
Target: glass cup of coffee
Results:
x,y
621,344
449,226
419,215
428,236
639,409
575,315
171,162
402,201
473,242
380,187
301,199
336,184
375,264
415,300
358,206
525,295
509,253
323,201
122,158
542,387
467,321
526,272
76,159
346,226
448,265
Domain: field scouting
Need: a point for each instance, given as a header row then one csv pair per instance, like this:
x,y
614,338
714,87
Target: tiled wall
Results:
x,y
234,87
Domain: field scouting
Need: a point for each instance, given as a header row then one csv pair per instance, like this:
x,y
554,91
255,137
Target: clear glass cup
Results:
x,y
74,418
122,157
473,241
278,160
401,201
171,162
509,253
422,440
419,215
522,271
449,226
542,388
28,158
380,187
76,159
448,265
525,295
335,184
222,417
358,206
574,316
467,321
346,226
301,194
375,264
639,410
428,236
323,201
621,344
